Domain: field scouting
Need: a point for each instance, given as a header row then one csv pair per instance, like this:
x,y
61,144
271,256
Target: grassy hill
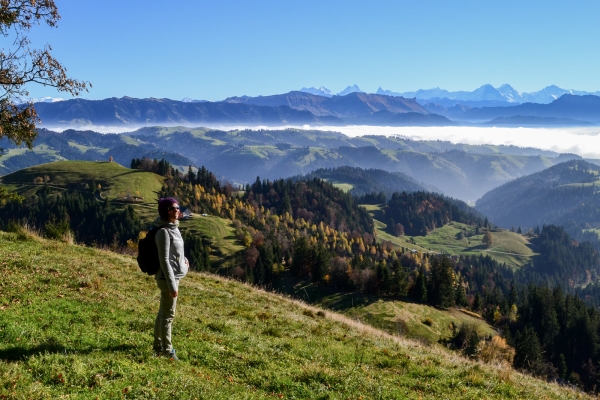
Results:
x,y
216,231
392,316
77,322
116,180
509,247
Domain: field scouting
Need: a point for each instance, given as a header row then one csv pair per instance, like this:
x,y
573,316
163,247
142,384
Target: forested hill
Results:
x,y
314,200
421,212
563,193
564,260
366,181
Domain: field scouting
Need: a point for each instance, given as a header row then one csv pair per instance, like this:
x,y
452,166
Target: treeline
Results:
x,y
314,200
555,335
366,181
421,212
91,221
162,167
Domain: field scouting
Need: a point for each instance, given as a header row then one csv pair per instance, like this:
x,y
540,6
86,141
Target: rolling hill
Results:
x,y
456,239
457,170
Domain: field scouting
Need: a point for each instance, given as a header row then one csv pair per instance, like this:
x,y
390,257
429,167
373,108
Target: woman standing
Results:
x,y
173,267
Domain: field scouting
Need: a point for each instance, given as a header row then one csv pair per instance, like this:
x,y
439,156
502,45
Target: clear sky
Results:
x,y
215,49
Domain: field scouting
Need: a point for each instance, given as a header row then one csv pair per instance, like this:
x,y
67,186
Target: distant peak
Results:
x,y
350,89
319,91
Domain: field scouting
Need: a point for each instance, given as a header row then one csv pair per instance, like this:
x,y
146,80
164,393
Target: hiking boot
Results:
x,y
171,355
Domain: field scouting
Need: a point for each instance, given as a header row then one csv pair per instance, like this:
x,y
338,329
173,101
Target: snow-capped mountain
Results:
x,y
486,93
40,100
188,100
510,94
319,91
350,89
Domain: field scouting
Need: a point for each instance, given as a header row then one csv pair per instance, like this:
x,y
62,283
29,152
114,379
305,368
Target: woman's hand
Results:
x,y
174,294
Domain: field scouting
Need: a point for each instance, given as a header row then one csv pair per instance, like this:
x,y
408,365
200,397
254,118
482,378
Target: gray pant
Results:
x,y
164,319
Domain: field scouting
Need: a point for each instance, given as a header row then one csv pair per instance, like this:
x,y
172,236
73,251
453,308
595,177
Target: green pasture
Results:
x,y
121,181
508,247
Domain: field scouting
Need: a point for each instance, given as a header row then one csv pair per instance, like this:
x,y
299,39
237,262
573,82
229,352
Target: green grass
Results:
x,y
390,315
77,322
219,231
508,247
346,187
263,152
313,154
387,315
121,180
40,150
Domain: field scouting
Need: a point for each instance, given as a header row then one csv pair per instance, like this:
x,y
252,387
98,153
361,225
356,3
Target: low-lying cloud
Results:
x,y
582,141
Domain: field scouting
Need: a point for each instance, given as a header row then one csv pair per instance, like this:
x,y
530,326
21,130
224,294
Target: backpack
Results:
x,y
147,258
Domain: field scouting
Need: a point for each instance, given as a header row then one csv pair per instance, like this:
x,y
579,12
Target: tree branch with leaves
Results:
x,y
21,65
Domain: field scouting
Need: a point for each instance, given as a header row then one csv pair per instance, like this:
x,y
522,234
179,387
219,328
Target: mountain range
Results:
x,y
487,93
352,108
294,108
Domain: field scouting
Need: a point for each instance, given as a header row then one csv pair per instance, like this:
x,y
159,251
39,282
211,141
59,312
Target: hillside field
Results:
x,y
77,322
508,247
119,180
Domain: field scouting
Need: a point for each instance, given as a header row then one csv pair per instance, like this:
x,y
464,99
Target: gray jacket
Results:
x,y
173,264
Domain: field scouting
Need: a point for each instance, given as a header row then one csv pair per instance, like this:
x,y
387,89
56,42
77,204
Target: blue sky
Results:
x,y
215,49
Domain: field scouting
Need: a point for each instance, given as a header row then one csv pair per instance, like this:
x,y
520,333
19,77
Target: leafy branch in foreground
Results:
x,y
21,65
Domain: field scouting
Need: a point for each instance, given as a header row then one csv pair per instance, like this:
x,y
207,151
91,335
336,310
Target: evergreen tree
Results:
x,y
528,351
441,286
477,302
320,262
461,296
420,288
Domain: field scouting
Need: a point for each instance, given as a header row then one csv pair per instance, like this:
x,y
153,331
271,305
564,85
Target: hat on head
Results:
x,y
163,206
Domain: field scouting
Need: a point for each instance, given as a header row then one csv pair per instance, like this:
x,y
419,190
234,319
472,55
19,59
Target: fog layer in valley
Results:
x,y
581,141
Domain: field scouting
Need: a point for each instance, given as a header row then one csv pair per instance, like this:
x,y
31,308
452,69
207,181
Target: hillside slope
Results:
x,y
563,193
72,325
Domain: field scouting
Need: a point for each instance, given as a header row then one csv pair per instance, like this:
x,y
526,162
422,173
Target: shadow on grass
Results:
x,y
24,353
